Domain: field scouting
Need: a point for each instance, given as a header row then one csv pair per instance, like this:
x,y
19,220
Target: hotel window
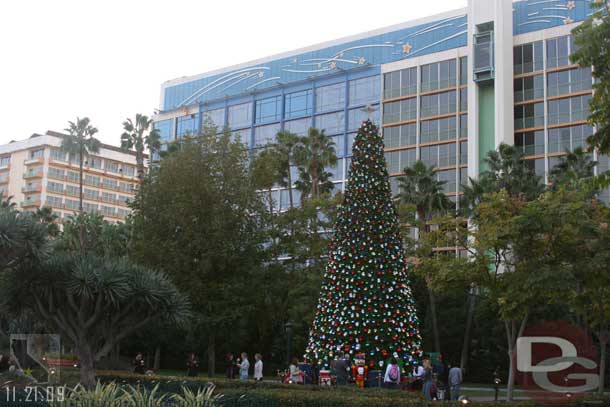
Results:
x,y
407,158
35,154
108,210
298,104
71,204
330,97
464,126
429,155
123,213
269,110
123,200
72,190
243,136
570,81
357,116
240,116
298,127
400,111
528,58
463,152
164,127
112,166
569,138
447,155
331,123
264,135
438,130
90,208
5,161
54,201
450,179
126,187
92,180
400,83
400,136
528,116
55,173
464,100
393,162
58,155
529,88
55,187
4,177
365,90
73,176
129,170
339,145
463,70
109,183
187,126
438,104
439,75
108,197
95,162
391,85
215,118
537,166
530,143
569,110
91,194
336,171
557,52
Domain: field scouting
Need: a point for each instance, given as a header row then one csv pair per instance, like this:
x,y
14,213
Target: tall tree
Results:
x,y
140,136
200,219
420,188
576,166
365,304
284,151
314,155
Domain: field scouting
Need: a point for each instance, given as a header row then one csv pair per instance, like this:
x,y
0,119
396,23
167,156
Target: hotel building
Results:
x,y
445,89
36,173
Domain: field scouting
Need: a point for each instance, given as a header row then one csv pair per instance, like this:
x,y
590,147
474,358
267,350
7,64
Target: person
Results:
x,y
230,366
139,364
445,380
428,386
341,368
455,381
315,372
418,377
192,365
258,367
392,374
244,367
295,373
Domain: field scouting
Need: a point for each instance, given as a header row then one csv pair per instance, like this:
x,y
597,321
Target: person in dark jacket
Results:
x,y
139,366
230,366
192,365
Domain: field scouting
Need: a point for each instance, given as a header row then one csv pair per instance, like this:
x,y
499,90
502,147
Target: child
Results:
x,y
258,367
244,367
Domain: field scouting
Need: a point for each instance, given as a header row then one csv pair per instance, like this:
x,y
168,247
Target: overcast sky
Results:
x,y
106,59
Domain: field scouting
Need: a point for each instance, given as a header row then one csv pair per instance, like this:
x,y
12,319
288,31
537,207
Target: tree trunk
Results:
x,y
435,333
468,330
510,384
157,359
116,355
603,343
87,366
211,355
512,334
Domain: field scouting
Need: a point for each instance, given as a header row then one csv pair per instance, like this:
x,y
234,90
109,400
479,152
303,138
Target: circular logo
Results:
x,y
556,362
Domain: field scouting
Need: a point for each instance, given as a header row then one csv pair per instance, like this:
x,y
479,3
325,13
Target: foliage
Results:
x,y
577,166
140,136
314,154
22,239
46,217
102,395
201,397
365,304
100,237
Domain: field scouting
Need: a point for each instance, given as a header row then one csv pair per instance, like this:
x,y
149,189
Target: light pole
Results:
x,y
288,328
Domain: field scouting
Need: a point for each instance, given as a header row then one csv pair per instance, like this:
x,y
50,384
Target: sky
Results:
x,y
106,59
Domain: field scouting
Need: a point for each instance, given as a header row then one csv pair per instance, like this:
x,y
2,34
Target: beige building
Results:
x,y
36,173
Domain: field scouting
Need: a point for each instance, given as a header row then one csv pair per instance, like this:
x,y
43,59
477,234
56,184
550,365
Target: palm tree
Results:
x,y
7,203
140,136
79,142
284,148
315,154
46,217
421,188
575,166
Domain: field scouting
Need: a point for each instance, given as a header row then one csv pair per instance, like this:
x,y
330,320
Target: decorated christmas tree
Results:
x,y
365,303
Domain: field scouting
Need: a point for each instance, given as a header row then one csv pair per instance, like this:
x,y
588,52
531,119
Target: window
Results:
x,y
400,136
529,88
339,145
393,162
407,158
438,130
439,75
58,155
449,177
331,123
240,115
557,52
570,81
109,183
55,187
391,85
298,127
108,197
92,180
95,162
537,166
55,173
126,187
108,210
54,202
569,138
123,213
464,126
112,166
71,204
298,104
90,208
337,171
463,153
528,58
214,118
91,194
330,97
32,187
447,155
429,155
357,116
3,178
71,190
530,143
35,154
128,170
464,100
365,90
438,104
269,110
187,126
569,110
5,161
399,111
463,70
400,83
165,130
264,135
243,136
397,161
528,116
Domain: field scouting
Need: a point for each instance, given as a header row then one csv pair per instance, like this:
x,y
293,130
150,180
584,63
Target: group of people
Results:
x,y
240,367
430,378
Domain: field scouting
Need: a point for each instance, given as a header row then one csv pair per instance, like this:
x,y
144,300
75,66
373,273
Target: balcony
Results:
x,y
37,173
29,203
31,161
29,189
5,180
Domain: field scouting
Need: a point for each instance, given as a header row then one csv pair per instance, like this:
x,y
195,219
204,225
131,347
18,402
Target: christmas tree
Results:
x,y
365,303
